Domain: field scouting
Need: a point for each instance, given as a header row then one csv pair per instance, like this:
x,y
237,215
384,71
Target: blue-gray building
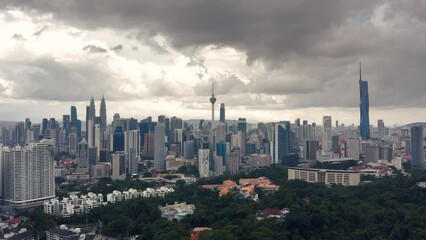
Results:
x,y
364,106
118,140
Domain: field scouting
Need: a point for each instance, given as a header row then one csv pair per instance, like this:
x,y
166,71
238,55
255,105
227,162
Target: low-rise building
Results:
x,y
325,176
177,210
85,203
272,213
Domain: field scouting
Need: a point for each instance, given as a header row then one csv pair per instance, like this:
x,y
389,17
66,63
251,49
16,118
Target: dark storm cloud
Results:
x,y
269,29
94,49
318,43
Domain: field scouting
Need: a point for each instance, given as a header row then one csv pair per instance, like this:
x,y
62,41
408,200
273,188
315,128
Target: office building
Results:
x,y
118,165
233,161
326,133
222,113
417,148
118,140
160,147
310,148
83,156
281,144
380,128
364,106
189,149
353,148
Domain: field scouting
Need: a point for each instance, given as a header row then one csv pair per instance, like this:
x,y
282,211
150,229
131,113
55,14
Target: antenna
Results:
x,y
213,88
360,71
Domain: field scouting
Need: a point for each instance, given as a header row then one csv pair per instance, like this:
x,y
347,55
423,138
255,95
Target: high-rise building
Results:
x,y
380,128
242,125
160,148
98,138
213,101
233,160
310,149
326,133
118,165
364,106
132,148
118,140
203,162
29,176
220,132
103,115
281,141
353,148
222,112
83,156
189,149
417,148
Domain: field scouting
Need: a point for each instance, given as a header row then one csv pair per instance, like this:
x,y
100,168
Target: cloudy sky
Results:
x,y
270,60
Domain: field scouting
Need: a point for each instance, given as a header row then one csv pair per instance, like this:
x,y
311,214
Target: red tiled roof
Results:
x,y
13,220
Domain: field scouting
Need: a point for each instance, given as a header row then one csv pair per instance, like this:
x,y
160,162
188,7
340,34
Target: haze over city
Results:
x,y
269,60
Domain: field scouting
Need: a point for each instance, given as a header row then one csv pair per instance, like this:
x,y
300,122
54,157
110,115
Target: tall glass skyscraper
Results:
x,y
222,112
364,106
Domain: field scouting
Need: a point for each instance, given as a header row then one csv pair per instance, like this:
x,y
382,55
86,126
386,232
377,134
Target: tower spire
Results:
x,y
360,78
213,101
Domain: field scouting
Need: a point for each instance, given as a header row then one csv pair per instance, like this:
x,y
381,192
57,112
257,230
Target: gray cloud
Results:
x,y
40,31
118,47
318,43
94,49
46,78
18,37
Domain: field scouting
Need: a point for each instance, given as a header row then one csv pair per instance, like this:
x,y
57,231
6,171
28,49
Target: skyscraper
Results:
x,y
381,128
118,140
91,123
213,101
326,133
103,115
417,148
281,142
222,112
73,115
364,106
160,149
203,162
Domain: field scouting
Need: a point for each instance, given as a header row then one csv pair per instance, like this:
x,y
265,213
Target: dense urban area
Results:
x,y
208,179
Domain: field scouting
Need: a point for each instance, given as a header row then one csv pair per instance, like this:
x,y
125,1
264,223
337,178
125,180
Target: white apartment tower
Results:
x,y
29,176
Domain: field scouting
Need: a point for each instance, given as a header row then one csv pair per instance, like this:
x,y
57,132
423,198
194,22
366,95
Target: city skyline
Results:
x,y
261,72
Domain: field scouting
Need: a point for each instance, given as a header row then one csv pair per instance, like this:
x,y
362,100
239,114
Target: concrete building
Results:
x,y
29,174
326,133
160,147
325,176
259,160
353,148
203,162
118,165
233,161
